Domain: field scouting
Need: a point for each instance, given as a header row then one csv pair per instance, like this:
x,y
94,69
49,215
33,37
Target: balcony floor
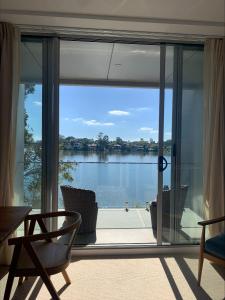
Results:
x,y
118,226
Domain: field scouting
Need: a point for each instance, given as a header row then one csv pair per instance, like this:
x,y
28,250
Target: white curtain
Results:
x,y
9,88
214,131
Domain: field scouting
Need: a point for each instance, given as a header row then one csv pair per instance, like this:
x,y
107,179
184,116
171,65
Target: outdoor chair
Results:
x,y
213,248
84,202
166,211
42,254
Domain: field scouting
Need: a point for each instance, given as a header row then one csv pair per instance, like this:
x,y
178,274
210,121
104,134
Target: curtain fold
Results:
x,y
9,88
214,131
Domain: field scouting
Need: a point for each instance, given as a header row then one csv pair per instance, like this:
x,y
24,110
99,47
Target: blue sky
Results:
x,y
130,113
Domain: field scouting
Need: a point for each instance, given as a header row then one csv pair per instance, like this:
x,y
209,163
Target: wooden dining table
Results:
x,y
10,219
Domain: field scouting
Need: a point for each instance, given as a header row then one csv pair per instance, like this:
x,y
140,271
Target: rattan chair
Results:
x,y
213,248
39,254
166,209
84,202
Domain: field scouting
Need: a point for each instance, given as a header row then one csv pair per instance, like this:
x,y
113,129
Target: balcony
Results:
x,y
118,226
119,185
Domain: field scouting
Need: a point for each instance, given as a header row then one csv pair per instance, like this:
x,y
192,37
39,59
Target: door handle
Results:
x,y
161,160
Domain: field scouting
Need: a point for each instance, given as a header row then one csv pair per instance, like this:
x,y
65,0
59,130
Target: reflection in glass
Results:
x,y
29,128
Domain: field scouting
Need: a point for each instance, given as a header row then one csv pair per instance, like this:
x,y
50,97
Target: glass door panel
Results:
x,y
29,127
181,195
165,191
168,184
28,164
108,125
189,201
130,124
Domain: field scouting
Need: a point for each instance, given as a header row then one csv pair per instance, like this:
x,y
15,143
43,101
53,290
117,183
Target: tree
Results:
x,y
102,142
85,143
106,141
33,162
119,141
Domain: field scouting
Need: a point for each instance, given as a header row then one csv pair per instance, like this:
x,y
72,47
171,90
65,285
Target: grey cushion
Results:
x,y
50,254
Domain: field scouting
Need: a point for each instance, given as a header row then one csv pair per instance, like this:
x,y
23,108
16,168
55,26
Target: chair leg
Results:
x,y
9,285
66,277
42,272
200,266
50,287
15,257
20,280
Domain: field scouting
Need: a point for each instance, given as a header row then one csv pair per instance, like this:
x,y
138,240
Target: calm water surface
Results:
x,y
116,178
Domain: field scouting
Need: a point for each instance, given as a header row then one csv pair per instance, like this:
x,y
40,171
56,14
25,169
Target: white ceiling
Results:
x,y
84,60
112,62
109,61
199,10
31,62
165,16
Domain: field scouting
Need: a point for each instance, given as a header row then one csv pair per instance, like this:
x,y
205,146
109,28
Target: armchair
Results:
x,y
39,254
213,248
84,202
166,209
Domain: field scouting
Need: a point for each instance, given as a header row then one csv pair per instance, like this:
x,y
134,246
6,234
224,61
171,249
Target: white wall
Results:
x,y
161,16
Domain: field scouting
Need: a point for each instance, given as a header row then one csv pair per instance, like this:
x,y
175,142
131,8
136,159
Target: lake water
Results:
x,y
116,178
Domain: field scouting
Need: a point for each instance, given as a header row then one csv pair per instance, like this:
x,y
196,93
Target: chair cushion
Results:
x,y
216,246
51,255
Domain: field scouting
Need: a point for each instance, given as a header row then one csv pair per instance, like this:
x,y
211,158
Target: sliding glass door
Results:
x,y
121,119
188,204
109,119
161,209
180,197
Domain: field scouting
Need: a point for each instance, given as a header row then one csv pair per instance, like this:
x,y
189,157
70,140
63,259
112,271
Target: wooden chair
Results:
x,y
213,249
39,254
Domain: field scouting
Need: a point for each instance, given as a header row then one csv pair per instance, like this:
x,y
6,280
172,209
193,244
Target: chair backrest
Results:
x,y
69,228
73,197
181,197
82,201
179,205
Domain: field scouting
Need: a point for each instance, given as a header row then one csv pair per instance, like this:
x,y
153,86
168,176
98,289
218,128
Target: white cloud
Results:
x,y
96,123
149,129
73,119
77,119
118,112
37,103
140,109
89,122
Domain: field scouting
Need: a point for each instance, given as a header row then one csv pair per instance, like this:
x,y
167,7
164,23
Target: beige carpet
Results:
x,y
132,279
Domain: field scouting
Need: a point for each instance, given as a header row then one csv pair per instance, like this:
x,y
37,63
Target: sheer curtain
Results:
x,y
214,130
9,87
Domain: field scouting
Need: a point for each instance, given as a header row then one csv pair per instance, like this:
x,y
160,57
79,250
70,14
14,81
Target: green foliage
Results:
x,y
33,162
65,169
103,144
